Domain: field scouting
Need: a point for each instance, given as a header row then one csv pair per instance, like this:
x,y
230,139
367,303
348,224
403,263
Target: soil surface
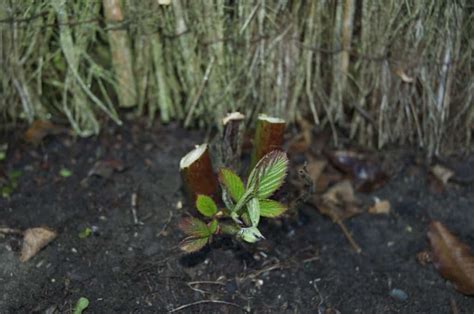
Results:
x,y
305,266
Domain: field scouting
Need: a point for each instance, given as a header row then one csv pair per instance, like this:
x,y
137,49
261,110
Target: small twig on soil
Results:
x,y
311,259
166,224
185,306
6,230
134,209
197,289
454,306
294,261
349,237
257,273
206,282
321,299
192,283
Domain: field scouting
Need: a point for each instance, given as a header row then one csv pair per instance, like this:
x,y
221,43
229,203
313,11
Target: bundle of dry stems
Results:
x,y
381,71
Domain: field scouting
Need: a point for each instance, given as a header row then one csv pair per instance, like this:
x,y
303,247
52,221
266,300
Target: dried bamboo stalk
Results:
x,y
79,102
121,53
287,58
346,39
197,173
268,136
164,100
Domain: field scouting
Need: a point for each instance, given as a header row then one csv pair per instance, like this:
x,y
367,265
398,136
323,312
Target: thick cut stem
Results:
x,y
197,173
268,136
231,146
121,53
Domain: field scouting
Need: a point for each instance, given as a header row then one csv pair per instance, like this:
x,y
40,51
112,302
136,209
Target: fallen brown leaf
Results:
x,y
315,168
302,141
380,207
105,168
326,179
34,239
443,174
339,202
365,171
39,129
452,258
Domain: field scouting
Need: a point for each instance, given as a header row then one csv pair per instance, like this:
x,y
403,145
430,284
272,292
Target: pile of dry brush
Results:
x,y
378,71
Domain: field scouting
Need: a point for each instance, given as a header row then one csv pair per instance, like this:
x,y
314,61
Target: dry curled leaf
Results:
x,y
452,258
39,129
299,144
380,207
105,168
339,202
311,174
315,168
365,171
34,239
438,177
441,173
302,141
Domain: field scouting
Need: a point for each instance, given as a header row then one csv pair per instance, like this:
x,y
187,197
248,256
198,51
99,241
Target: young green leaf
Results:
x,y
251,234
65,173
85,233
206,205
232,183
271,208
212,226
193,244
194,227
269,174
81,305
253,207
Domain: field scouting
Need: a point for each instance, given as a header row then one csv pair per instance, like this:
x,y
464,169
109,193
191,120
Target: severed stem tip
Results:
x,y
192,156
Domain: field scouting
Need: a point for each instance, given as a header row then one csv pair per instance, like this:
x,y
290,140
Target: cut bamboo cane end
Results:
x,y
192,156
197,172
233,116
268,136
269,119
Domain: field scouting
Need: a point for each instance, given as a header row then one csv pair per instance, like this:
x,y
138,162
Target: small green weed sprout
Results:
x,y
244,204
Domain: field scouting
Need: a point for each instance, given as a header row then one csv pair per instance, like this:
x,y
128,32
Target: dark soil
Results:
x,y
304,266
